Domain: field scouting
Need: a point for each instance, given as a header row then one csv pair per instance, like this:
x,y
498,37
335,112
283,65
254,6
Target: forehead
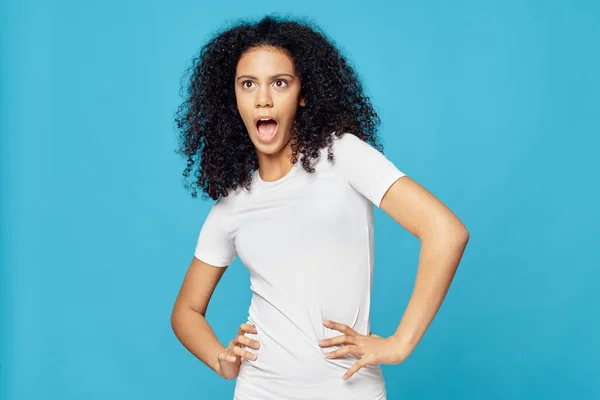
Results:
x,y
265,61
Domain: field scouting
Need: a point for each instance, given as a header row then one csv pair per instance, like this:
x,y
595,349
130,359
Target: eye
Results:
x,y
244,84
280,83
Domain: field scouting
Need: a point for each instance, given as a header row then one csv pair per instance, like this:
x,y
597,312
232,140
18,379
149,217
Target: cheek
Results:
x,y
291,106
239,100
244,109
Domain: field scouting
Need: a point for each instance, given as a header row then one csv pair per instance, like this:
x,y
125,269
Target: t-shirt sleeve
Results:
x,y
367,170
215,245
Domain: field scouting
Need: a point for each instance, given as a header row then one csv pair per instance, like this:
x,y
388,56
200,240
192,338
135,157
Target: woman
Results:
x,y
278,131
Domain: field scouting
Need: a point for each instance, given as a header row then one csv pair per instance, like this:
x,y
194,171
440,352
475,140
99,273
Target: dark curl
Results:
x,y
212,132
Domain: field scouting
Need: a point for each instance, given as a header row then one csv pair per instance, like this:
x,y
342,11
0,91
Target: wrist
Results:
x,y
217,363
403,343
217,368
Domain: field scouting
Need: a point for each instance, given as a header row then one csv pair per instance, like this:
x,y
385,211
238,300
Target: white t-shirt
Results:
x,y
307,241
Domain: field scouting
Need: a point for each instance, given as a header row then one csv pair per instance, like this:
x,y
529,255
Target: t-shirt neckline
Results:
x,y
284,178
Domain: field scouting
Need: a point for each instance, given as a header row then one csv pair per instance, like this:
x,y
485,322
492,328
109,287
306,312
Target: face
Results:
x,y
268,89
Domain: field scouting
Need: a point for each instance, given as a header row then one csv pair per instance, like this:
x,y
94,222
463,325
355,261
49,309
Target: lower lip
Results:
x,y
267,138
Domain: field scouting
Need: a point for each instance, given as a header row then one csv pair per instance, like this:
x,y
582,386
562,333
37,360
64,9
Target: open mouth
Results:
x,y
266,129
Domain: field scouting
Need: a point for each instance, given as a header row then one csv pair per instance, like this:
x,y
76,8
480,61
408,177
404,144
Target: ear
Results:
x,y
302,101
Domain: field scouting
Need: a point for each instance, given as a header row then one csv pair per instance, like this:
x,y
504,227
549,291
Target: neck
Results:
x,y
272,167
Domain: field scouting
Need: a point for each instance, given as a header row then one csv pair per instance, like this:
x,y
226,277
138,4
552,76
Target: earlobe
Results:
x,y
302,101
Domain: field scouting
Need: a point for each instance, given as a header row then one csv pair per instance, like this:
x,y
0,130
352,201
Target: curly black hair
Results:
x,y
212,132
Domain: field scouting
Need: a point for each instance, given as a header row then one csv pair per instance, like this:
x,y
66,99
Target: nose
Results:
x,y
263,98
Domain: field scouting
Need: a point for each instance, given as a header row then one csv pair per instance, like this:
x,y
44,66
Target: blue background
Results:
x,y
492,106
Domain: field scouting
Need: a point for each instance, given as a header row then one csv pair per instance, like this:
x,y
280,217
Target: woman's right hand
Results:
x,y
231,359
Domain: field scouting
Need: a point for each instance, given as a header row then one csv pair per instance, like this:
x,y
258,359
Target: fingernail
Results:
x,y
253,358
321,342
326,323
328,355
345,377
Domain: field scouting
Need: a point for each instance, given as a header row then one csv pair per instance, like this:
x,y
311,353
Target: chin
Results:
x,y
268,148
271,148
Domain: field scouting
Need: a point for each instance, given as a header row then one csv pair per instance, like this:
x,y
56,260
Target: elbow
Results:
x,y
460,236
174,319
177,317
455,233
181,313
464,235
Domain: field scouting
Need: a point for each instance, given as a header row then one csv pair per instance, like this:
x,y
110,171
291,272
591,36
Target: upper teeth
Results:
x,y
264,119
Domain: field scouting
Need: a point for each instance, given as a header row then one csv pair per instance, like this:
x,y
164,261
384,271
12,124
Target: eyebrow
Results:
x,y
272,77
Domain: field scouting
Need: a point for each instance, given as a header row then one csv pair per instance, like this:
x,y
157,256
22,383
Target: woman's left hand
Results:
x,y
372,349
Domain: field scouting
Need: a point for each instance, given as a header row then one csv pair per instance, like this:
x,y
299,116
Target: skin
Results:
x,y
266,83
442,235
443,239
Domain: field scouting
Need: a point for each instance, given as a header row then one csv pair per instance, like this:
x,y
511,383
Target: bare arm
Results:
x,y
443,240
188,316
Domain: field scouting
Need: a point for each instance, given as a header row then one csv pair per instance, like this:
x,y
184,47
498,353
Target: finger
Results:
x,y
231,357
340,327
249,328
243,353
353,369
343,339
224,356
343,351
246,341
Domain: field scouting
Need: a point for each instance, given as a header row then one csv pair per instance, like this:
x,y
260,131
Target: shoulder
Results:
x,y
344,148
222,208
348,144
346,139
347,148
234,197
